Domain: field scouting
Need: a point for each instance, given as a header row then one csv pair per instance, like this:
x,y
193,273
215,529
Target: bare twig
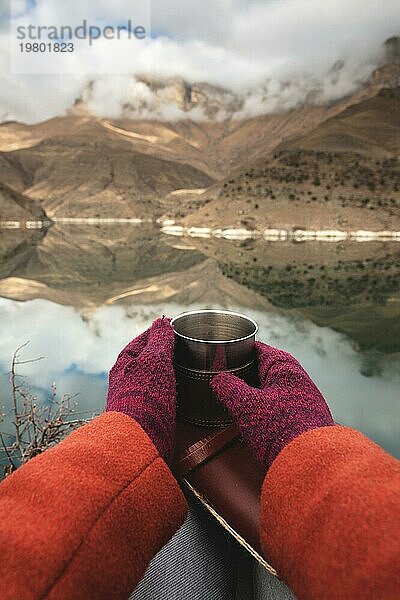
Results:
x,y
36,426
14,388
24,362
6,450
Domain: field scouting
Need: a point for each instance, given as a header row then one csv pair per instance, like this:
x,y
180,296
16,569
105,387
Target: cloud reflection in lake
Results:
x,y
84,347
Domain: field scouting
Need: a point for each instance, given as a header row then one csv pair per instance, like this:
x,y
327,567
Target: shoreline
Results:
x,y
169,227
272,235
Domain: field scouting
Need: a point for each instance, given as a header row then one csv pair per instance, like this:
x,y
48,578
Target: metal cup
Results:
x,y
209,341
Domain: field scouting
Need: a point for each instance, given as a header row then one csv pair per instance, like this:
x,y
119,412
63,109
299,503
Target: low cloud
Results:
x,y
272,54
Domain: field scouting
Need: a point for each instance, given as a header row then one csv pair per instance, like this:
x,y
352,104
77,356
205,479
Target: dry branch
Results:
x,y
35,426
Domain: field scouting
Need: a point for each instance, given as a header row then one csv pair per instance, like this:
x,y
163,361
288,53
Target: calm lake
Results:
x,y
80,293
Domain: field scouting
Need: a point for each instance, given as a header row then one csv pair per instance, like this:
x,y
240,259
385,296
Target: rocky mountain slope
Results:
x,y
345,174
93,173
79,165
371,128
16,206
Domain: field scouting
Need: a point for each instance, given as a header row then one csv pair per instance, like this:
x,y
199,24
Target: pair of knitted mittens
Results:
x,y
288,403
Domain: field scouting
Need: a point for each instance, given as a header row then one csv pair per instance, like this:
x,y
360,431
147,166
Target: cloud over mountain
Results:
x,y
272,54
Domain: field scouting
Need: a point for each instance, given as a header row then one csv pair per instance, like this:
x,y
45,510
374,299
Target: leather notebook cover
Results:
x,y
217,468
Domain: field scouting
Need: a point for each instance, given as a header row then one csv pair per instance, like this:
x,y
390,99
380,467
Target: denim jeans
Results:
x,y
203,562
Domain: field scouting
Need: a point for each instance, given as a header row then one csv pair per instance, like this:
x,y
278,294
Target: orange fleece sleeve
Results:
x,y
330,517
83,519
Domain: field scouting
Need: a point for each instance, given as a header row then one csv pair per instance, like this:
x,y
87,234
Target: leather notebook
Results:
x,y
216,467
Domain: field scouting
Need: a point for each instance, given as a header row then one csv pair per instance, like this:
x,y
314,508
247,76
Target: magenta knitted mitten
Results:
x,y
142,384
287,405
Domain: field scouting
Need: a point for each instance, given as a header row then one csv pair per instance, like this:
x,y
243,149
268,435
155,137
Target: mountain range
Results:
x,y
345,174
325,165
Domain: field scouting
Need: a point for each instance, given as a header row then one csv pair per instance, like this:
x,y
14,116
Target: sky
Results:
x,y
271,52
84,349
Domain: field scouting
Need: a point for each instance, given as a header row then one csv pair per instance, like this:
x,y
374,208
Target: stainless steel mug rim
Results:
x,y
217,312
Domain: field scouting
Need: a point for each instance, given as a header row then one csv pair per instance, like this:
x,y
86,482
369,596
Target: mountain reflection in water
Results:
x,y
87,291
